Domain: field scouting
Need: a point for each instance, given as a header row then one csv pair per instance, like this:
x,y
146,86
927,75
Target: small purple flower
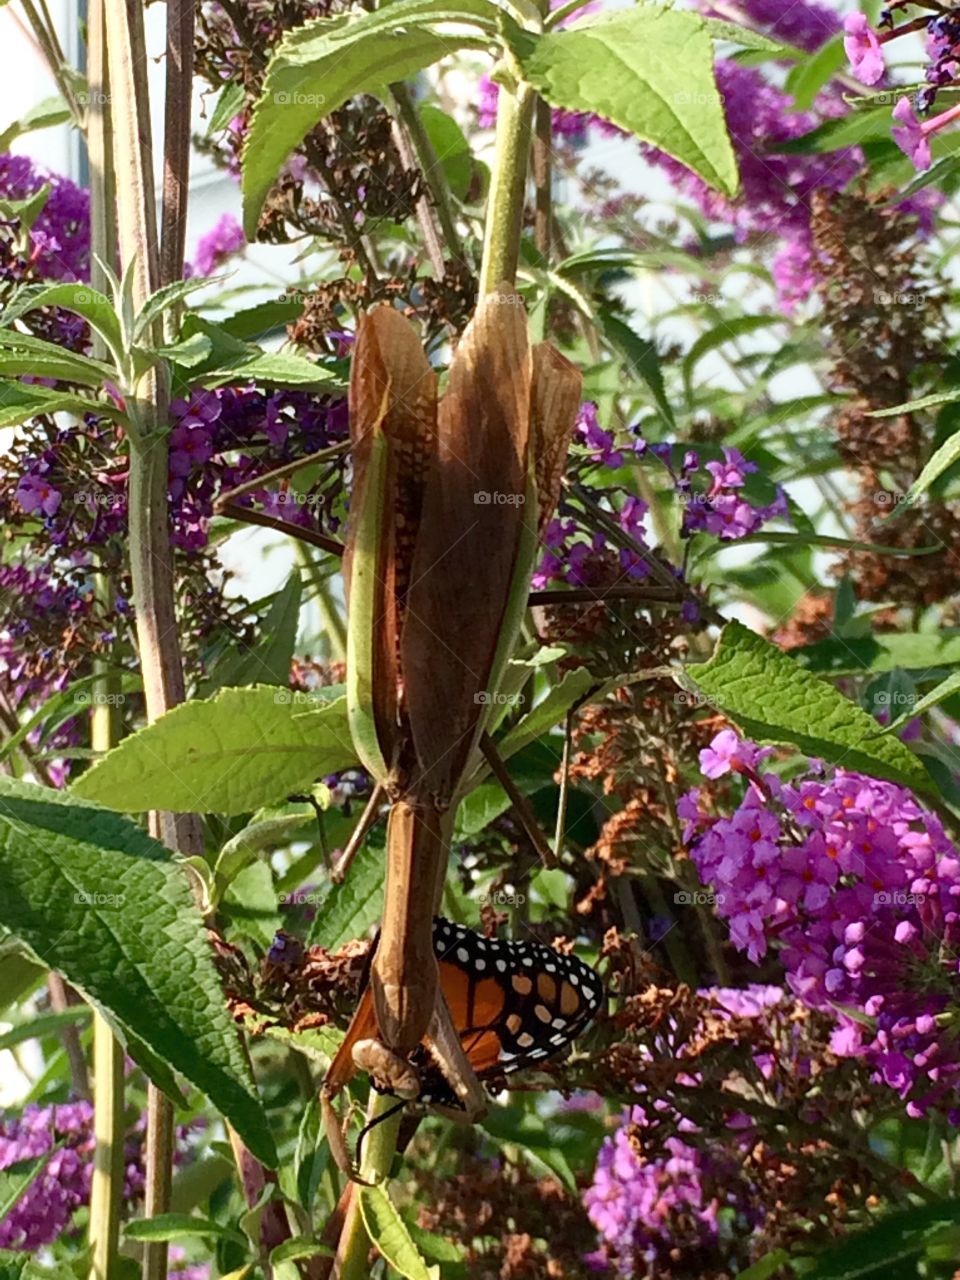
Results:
x,y
863,49
910,137
36,494
723,754
596,438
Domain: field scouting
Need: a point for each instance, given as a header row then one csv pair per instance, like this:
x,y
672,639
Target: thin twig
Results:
x,y
358,833
280,473
60,1000
521,805
428,227
248,516
542,178
429,166
560,834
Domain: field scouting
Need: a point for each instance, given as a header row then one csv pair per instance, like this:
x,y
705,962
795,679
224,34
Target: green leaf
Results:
x,y
22,353
20,401
108,907
849,131
724,331
574,686
228,104
229,358
311,1156
917,651
345,911
943,690
18,972
450,147
895,1238
949,396
169,295
530,1133
275,368
747,39
17,1178
45,1024
389,1233
250,904
181,1226
259,834
255,323
642,359
96,308
27,211
774,699
45,115
13,1264
767,1266
812,72
268,662
298,1247
941,461
229,754
316,68
650,71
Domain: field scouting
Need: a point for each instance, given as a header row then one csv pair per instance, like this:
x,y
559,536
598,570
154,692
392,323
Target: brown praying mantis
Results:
x,y
450,495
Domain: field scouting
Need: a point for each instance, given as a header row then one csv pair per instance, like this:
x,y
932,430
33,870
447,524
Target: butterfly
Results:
x,y
514,1004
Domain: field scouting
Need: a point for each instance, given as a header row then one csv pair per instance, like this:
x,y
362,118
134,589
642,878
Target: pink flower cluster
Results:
x,y
858,888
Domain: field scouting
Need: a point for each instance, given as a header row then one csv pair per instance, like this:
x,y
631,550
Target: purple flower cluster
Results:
x,y
864,49
219,439
859,889
776,189
642,1207
44,1211
60,235
807,25
660,1191
711,495
720,508
223,241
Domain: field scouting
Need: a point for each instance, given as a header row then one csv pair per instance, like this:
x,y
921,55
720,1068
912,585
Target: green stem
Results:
x,y
379,1147
508,182
334,627
106,1188
50,48
151,559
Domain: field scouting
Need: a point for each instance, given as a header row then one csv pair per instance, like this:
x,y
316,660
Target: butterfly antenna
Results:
x,y
372,1125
